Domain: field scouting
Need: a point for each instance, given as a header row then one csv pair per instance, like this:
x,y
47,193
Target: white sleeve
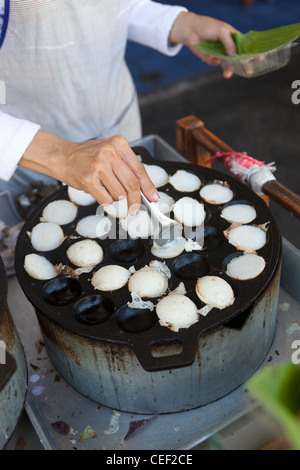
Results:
x,y
15,136
150,24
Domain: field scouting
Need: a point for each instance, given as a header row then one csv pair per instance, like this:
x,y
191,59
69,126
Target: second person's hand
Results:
x,y
190,29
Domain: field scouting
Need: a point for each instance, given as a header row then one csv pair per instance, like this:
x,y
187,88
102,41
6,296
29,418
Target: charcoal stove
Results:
x,y
128,361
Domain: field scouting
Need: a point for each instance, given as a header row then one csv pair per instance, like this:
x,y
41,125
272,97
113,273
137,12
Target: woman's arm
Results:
x,y
15,136
167,28
107,169
150,23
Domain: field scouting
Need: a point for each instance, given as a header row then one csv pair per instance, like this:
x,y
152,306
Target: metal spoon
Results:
x,y
165,229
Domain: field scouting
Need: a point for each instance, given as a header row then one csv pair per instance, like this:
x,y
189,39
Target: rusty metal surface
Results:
x,y
13,394
50,400
116,368
111,374
13,367
76,291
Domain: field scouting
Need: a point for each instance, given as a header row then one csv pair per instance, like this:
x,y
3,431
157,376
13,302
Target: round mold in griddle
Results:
x,y
190,266
93,309
51,256
126,250
236,202
135,320
226,188
61,291
230,257
238,254
137,253
213,238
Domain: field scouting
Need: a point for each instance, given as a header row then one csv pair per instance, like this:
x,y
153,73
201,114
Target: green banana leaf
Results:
x,y
277,389
253,43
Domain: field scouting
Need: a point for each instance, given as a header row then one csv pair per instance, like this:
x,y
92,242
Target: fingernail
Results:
x,y
134,212
156,197
134,209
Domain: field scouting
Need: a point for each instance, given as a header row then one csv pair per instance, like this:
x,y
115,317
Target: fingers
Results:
x,y
227,70
101,194
212,29
205,57
248,69
131,175
225,37
113,185
134,177
227,74
214,61
141,174
133,189
109,170
227,40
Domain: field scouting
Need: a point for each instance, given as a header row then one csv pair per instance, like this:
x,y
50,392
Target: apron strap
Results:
x,y
4,16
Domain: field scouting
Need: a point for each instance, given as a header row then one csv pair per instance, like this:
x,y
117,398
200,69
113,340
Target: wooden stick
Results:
x,y
197,144
283,196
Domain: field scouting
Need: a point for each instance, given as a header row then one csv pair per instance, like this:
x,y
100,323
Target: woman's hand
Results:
x,y
107,169
190,29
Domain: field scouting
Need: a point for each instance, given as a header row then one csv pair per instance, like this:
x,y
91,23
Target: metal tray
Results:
x,y
64,419
3,289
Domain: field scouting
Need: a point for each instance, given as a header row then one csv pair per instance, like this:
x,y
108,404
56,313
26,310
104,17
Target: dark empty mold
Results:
x,y
190,266
126,250
213,238
234,202
135,320
93,309
230,257
61,291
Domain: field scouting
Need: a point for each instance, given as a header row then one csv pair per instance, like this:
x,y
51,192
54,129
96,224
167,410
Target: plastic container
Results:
x,y
250,67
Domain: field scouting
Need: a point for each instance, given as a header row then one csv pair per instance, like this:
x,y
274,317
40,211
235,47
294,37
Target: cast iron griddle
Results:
x,y
74,305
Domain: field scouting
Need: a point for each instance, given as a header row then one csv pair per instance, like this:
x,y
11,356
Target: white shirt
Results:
x,y
62,69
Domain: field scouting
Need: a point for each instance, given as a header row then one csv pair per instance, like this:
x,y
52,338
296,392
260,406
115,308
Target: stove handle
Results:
x,y
164,354
197,144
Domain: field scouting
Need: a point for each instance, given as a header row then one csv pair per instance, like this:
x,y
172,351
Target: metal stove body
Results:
x,y
121,371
